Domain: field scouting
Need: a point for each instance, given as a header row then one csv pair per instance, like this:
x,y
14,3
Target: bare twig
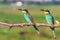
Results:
x,y
27,24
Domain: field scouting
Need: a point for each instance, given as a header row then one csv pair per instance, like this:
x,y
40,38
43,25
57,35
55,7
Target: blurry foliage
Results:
x,y
5,1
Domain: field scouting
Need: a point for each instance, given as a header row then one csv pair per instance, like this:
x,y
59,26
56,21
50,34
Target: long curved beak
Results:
x,y
42,9
20,9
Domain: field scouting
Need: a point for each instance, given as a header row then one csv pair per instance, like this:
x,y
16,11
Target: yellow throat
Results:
x,y
45,12
23,12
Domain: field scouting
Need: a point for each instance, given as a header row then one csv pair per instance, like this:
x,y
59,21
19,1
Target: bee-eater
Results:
x,y
50,20
29,18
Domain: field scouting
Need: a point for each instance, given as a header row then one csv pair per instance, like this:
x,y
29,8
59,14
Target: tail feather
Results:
x,y
35,27
52,28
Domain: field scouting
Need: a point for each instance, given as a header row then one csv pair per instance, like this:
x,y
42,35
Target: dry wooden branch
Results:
x,y
27,24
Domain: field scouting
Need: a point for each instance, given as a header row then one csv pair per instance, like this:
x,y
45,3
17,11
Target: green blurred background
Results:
x,y
10,14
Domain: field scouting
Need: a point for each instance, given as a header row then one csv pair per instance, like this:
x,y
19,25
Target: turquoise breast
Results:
x,y
26,16
49,18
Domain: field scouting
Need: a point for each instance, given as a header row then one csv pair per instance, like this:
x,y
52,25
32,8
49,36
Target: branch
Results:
x,y
28,24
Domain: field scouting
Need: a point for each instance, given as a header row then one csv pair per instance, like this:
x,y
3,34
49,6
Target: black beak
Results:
x,y
20,9
42,9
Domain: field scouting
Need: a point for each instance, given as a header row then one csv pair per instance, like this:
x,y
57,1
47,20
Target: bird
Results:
x,y
50,20
29,18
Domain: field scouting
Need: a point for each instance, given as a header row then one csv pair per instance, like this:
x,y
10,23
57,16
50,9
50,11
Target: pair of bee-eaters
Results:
x,y
48,16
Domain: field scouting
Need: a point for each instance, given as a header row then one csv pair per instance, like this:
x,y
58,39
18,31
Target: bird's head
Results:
x,y
45,11
24,11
